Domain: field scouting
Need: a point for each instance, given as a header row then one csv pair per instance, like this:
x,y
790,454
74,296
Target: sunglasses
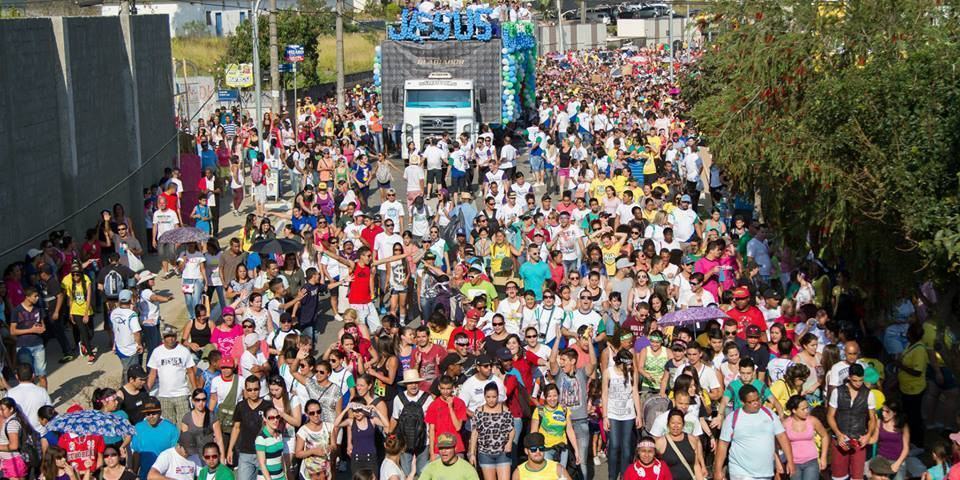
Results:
x,y
315,412
537,449
111,454
730,333
463,344
531,336
201,399
323,372
248,326
211,457
273,417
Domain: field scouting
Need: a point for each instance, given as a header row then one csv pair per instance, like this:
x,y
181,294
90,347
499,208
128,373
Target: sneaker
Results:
x,y
94,350
83,350
596,460
66,359
338,317
91,359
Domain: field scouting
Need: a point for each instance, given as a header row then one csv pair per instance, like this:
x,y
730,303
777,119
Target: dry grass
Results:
x,y
357,54
203,53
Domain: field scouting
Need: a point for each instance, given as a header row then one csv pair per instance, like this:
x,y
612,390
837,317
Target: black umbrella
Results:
x,y
277,246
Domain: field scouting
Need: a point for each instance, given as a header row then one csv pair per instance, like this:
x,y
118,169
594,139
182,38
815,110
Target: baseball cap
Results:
x,y
534,440
33,253
125,295
250,339
228,362
446,440
689,259
741,293
623,263
871,375
686,198
150,405
881,466
504,354
169,331
451,359
771,293
136,371
473,313
484,360
753,331
228,310
678,345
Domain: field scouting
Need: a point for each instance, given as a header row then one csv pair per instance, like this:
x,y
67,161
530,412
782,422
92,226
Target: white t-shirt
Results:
x,y
222,388
591,318
690,299
30,397
171,365
434,157
149,311
839,372
683,223
171,465
758,251
471,392
691,422
388,469
508,154
777,368
383,244
125,323
247,362
625,212
191,265
707,374
414,175
871,402
392,211
164,221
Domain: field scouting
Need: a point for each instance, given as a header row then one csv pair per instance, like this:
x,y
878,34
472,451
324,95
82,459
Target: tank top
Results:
x,y
619,396
200,336
654,364
677,470
548,472
363,441
133,403
802,443
889,444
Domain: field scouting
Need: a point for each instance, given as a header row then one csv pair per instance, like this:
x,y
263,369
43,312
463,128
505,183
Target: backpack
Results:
x,y
736,416
411,424
112,284
228,406
256,174
29,447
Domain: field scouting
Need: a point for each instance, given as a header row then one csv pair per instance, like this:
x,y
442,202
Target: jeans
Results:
x,y
582,429
620,446
35,356
221,300
295,179
563,458
378,142
127,362
57,329
247,467
807,471
151,338
406,459
571,265
195,298
427,306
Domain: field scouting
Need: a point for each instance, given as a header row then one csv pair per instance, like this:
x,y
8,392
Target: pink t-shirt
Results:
x,y
802,443
225,340
703,266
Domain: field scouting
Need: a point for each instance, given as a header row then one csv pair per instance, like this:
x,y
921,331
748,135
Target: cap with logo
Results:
x,y
741,293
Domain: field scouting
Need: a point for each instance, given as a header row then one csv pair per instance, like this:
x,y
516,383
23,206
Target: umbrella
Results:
x,y
92,422
692,315
277,246
184,235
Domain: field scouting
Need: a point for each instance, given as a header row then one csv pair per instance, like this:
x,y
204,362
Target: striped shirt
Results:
x,y
272,447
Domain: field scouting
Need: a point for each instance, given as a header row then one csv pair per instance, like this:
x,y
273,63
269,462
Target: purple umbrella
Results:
x,y
692,315
183,235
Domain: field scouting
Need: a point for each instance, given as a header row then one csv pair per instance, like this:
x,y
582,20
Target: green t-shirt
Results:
x,y
742,244
732,392
460,470
483,288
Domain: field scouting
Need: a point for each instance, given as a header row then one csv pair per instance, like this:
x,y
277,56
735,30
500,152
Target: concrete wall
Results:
x,y
576,36
85,102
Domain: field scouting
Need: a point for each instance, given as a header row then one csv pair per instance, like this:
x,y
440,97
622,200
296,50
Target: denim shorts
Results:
x,y
35,356
536,163
487,460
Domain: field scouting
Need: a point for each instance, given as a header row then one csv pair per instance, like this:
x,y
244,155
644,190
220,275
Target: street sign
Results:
x,y
294,53
239,75
228,95
285,67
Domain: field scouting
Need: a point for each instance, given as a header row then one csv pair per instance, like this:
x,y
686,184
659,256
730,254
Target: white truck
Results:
x,y
436,105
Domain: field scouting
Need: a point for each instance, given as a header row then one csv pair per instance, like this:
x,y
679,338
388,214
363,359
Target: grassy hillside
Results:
x,y
203,52
357,54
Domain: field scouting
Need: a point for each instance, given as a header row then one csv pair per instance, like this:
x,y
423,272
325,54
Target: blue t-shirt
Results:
x,y
150,441
208,159
534,275
752,442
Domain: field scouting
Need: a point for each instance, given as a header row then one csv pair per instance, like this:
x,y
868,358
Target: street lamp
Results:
x,y
256,68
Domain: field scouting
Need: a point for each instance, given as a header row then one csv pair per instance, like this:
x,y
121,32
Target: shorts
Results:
x,y
563,172
536,163
434,176
14,467
367,315
383,185
167,251
36,356
260,193
498,460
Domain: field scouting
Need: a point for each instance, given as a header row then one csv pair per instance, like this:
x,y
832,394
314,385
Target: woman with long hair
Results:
x,y
390,469
810,357
259,315
211,260
892,437
240,288
646,465
492,441
106,400
55,466
553,420
271,462
314,443
15,428
791,384
386,368
200,426
681,451
290,408
78,290
399,275
621,413
236,186
802,430
249,232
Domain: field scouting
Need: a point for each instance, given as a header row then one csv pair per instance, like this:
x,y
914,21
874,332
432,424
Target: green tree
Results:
x,y
842,116
301,27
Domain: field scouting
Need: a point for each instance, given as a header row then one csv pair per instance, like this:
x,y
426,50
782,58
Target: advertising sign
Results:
x,y
239,75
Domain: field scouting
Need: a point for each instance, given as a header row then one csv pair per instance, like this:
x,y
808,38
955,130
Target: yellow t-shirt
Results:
x,y
915,357
553,424
610,255
79,304
650,166
782,392
598,188
497,254
620,184
441,338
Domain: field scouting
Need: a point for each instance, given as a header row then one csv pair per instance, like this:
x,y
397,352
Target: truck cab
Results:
x,y
436,105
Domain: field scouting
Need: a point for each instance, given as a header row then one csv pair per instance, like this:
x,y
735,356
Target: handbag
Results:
x,y
683,459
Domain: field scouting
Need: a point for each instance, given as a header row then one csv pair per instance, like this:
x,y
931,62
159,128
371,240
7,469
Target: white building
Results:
x,y
220,17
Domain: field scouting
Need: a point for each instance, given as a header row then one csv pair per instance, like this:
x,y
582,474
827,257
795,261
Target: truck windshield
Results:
x,y
438,98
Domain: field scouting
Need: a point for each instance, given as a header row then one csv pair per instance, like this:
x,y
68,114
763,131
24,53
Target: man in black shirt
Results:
x,y
247,422
757,351
306,311
52,309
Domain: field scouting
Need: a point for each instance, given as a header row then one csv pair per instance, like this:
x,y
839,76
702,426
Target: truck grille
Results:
x,y
436,126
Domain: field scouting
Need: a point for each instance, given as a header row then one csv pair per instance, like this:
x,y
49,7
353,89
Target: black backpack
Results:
x,y
410,424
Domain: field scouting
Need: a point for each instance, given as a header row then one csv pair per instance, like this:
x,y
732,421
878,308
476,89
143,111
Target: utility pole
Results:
x,y
341,101
274,61
255,18
186,94
563,48
583,11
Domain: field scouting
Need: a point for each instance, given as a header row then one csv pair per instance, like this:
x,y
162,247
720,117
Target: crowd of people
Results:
x,y
530,304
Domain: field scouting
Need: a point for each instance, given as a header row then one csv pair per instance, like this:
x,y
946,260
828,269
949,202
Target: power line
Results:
x,y
109,190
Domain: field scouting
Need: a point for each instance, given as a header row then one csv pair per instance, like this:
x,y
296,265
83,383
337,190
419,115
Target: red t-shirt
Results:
x,y
475,336
359,293
438,415
790,325
369,234
173,201
82,451
429,364
656,471
751,316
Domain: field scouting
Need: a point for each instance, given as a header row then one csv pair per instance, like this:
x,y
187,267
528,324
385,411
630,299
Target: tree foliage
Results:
x,y
843,117
302,27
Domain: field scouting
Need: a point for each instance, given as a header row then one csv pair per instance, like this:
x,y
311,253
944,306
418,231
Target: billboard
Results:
x,y
469,60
